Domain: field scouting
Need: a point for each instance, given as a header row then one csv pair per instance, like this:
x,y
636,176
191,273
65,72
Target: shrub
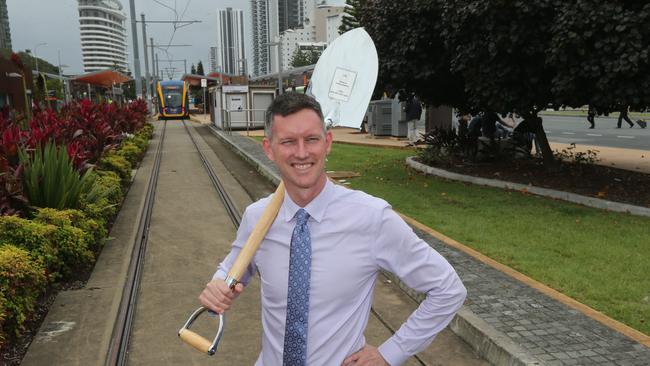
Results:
x,y
22,280
60,248
50,179
94,233
146,131
3,316
131,152
140,141
117,164
101,210
110,185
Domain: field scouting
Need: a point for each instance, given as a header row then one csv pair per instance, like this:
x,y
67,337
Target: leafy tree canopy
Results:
x,y
497,55
351,15
199,69
305,58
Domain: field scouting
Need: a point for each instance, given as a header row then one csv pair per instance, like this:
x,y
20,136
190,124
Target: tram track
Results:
x,y
233,212
120,339
119,343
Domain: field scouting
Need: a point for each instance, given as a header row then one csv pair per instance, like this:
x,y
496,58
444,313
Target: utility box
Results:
x,y
380,117
399,127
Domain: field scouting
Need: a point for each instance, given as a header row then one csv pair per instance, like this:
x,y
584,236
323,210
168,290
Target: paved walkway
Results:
x,y
547,330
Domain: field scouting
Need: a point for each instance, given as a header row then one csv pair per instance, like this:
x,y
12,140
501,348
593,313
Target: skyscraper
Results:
x,y
103,35
264,14
290,14
213,58
230,41
5,32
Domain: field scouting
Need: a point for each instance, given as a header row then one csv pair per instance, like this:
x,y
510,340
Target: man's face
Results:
x,y
298,147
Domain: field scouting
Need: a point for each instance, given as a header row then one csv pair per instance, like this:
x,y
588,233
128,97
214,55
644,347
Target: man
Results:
x,y
413,110
623,116
320,258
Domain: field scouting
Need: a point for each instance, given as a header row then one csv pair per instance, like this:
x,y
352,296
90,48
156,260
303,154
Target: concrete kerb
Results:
x,y
545,192
261,167
489,343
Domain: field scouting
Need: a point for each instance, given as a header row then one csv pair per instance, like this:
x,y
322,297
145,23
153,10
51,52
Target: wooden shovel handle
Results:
x,y
195,340
257,235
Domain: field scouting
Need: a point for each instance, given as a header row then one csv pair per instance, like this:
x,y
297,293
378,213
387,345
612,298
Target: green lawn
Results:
x,y
596,257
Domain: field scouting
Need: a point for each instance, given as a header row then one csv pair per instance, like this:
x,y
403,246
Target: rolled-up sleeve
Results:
x,y
243,232
399,250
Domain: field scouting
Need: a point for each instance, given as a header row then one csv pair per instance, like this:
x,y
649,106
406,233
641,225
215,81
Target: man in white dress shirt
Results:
x,y
351,237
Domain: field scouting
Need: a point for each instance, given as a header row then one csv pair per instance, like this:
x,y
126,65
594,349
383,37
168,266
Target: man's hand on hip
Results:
x,y
218,297
367,356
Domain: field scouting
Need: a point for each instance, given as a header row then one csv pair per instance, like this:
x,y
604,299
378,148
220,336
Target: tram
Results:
x,y
173,97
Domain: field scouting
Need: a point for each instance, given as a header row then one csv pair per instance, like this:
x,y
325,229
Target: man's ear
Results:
x,y
266,144
328,140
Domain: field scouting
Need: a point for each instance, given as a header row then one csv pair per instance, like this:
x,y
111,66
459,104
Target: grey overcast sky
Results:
x,y
56,22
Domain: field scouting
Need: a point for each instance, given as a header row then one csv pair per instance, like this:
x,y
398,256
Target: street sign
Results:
x,y
204,83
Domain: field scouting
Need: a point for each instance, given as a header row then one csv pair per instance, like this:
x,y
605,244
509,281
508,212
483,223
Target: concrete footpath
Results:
x,y
506,320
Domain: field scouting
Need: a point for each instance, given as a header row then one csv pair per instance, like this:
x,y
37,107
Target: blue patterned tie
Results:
x,y
295,334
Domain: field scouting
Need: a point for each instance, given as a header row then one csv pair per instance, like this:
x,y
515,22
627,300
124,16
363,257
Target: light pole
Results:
x,y
64,82
35,56
280,86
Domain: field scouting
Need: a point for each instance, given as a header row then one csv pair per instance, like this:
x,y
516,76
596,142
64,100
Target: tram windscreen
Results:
x,y
173,98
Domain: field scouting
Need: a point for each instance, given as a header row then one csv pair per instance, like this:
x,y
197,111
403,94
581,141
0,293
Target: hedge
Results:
x,y
22,281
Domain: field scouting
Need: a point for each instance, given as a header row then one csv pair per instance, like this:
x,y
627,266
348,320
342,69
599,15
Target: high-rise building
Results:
x,y
103,35
231,56
264,14
290,14
319,29
5,32
213,58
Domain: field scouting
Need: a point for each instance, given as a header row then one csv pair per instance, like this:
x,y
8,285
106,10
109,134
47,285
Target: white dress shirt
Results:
x,y
353,236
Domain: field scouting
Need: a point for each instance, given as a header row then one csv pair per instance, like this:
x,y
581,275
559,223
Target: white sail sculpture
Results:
x,y
344,78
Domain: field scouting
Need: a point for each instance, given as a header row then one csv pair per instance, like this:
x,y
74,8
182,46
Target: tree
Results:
x,y
305,58
193,70
351,15
601,54
313,56
505,67
30,62
199,69
299,58
415,58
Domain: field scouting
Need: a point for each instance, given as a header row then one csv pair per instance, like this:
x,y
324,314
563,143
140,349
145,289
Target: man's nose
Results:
x,y
301,149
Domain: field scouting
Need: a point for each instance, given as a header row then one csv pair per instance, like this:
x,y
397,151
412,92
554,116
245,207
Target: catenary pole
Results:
x,y
136,54
149,94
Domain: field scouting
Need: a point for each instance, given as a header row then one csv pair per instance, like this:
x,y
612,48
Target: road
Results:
x,y
575,129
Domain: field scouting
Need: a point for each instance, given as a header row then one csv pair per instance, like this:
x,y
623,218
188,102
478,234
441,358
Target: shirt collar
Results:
x,y
316,208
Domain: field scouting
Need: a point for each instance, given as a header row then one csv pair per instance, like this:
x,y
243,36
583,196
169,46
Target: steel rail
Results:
x,y
119,341
231,208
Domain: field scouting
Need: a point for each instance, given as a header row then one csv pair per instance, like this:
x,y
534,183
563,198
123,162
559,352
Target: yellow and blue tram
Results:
x,y
173,99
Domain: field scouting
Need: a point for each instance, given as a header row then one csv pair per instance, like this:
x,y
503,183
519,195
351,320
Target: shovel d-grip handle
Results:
x,y
197,341
234,276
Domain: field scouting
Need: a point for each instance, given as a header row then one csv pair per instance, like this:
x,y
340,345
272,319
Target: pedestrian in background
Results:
x,y
591,114
623,116
413,111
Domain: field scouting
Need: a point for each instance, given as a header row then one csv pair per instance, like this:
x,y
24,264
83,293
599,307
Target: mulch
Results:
x,y
591,180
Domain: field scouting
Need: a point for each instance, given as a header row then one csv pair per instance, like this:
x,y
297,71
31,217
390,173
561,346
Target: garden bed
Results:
x,y
63,177
612,184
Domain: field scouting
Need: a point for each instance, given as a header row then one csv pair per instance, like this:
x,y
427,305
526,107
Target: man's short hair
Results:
x,y
290,103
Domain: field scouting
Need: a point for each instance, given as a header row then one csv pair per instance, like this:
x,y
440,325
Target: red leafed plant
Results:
x,y
87,130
